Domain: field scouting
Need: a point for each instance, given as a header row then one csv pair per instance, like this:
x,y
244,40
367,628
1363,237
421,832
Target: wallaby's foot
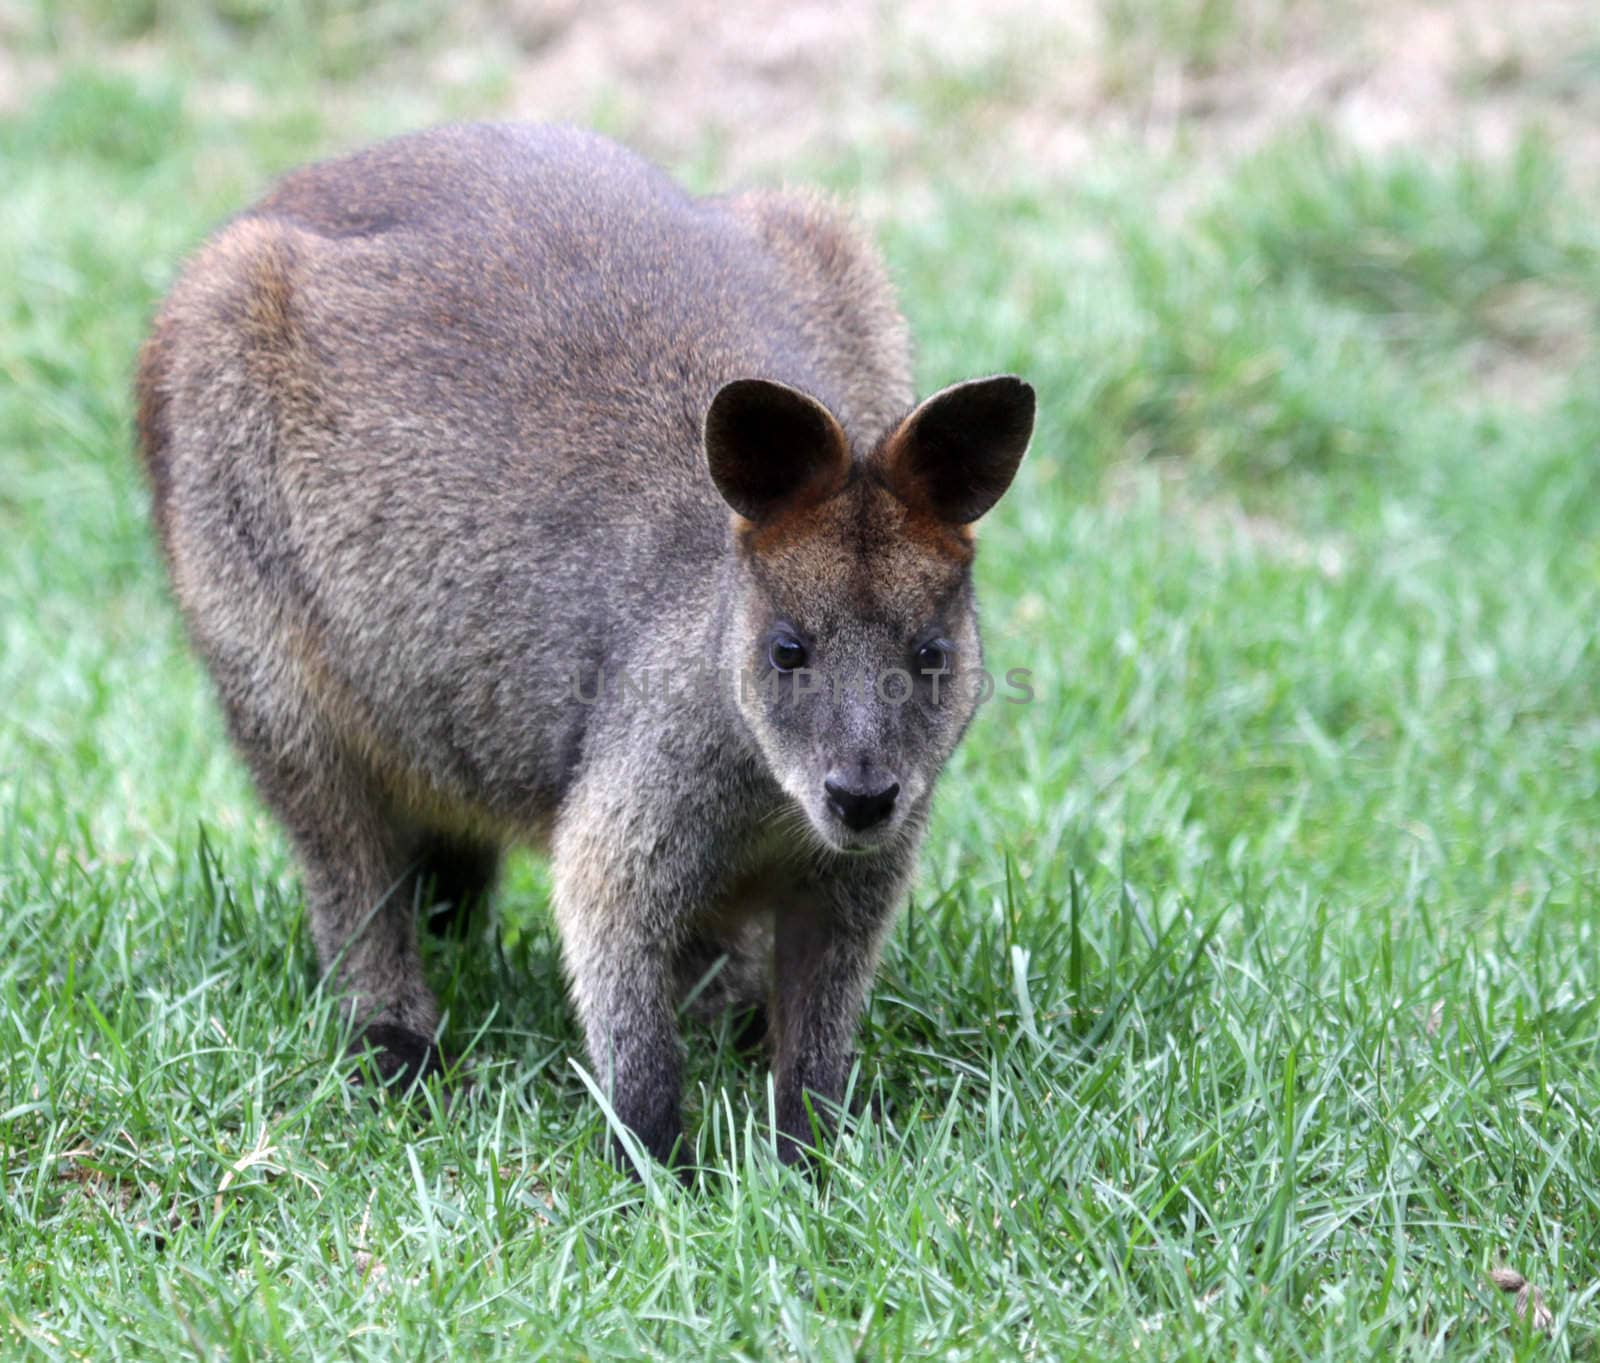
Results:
x,y
662,1140
799,1145
396,1057
803,1135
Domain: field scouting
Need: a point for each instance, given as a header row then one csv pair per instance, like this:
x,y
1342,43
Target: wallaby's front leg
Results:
x,y
618,939
825,953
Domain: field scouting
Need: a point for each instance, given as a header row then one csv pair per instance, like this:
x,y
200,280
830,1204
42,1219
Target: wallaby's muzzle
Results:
x,y
860,803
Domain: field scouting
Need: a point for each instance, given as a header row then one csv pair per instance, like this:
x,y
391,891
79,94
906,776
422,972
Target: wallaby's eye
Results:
x,y
933,656
787,653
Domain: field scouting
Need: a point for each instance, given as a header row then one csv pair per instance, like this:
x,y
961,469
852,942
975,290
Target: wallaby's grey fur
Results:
x,y
463,449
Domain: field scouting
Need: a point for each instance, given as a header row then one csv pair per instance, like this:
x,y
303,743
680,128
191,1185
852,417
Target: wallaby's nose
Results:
x,y
859,806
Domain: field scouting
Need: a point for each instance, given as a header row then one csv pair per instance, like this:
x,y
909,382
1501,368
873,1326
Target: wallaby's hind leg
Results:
x,y
364,925
356,867
454,876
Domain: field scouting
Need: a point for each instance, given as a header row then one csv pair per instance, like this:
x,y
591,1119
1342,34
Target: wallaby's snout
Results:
x,y
861,801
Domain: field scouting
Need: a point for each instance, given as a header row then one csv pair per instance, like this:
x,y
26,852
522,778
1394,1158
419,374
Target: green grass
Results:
x,y
1249,1003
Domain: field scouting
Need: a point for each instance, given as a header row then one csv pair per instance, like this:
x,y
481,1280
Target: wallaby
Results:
x,y
512,494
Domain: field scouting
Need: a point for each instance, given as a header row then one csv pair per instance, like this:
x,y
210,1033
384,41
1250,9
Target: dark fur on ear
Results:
x,y
771,449
956,454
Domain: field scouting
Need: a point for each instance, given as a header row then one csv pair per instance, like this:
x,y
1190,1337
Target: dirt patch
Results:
x,y
1002,93
1042,89
21,76
1045,86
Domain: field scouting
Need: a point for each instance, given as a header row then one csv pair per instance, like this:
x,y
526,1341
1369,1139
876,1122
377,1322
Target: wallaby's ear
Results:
x,y
957,453
772,449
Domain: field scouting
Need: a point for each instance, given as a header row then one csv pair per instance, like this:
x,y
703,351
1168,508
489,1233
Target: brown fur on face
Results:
x,y
446,432
861,552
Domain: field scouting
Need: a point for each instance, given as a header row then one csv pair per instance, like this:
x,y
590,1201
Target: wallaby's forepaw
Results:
x,y
396,1058
805,1131
659,1139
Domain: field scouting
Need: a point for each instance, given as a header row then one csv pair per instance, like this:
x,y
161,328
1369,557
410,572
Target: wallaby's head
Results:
x,y
851,631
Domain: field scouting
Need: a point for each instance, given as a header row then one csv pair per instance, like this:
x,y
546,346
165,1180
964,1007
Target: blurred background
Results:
x,y
1003,89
